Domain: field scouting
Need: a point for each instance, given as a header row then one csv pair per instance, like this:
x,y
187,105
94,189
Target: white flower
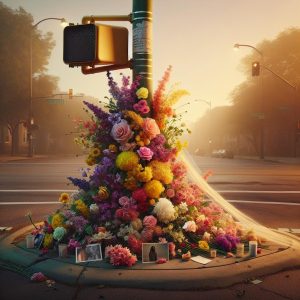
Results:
x,y
206,236
190,226
94,208
164,210
183,208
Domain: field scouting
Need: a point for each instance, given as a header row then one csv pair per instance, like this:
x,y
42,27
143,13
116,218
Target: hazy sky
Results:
x,y
196,37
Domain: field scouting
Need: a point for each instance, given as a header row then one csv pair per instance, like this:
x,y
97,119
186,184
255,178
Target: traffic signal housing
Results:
x,y
70,93
95,44
255,68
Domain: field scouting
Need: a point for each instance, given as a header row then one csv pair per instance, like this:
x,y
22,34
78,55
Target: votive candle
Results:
x,y
30,241
253,248
240,250
62,250
213,253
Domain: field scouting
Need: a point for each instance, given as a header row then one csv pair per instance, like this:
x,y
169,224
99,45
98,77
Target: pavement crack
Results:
x,y
78,286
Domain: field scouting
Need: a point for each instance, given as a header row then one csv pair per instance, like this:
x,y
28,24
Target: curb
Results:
x,y
158,277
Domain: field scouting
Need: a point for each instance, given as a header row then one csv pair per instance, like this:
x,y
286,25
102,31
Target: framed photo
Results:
x,y
151,252
91,252
38,240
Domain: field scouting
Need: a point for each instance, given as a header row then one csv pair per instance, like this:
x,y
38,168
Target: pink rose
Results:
x,y
190,226
147,235
121,132
124,201
170,193
149,222
145,153
150,128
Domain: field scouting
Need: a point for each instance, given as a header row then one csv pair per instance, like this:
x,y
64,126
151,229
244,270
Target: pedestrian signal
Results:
x,y
95,44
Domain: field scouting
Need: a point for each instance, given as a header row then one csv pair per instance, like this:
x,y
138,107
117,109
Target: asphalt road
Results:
x,y
267,191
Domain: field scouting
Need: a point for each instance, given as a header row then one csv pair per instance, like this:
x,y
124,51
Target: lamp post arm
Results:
x,y
36,24
252,47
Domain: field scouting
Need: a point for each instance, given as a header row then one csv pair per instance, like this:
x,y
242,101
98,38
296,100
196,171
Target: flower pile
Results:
x,y
136,190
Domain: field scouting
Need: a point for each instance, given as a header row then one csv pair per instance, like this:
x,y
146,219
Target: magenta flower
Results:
x,y
145,153
120,256
141,107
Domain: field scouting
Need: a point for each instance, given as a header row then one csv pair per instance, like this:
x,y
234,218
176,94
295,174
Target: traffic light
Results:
x,y
70,93
95,44
255,68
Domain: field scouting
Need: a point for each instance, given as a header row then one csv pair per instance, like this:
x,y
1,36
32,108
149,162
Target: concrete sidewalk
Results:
x,y
228,278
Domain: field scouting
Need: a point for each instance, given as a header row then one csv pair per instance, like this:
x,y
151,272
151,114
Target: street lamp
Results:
x,y
261,115
210,121
30,118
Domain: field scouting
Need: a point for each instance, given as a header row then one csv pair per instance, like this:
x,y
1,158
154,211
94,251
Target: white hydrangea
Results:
x,y
126,230
164,210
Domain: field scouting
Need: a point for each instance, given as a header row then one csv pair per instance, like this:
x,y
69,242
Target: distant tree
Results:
x,y
15,33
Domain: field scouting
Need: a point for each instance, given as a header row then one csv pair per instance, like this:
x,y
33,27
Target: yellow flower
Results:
x,y
127,160
180,145
152,201
48,240
95,152
161,171
153,188
103,193
64,198
57,220
203,245
130,183
136,118
142,93
90,160
82,208
113,148
142,174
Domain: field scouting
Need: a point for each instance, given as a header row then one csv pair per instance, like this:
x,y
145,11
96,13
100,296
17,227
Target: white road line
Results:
x,y
259,192
264,202
221,192
231,201
30,203
37,191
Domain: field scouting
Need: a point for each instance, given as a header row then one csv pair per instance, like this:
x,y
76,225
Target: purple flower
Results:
x,y
79,223
226,242
81,183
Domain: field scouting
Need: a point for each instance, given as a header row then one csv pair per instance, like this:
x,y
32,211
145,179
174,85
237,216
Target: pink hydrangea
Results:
x,y
179,169
141,107
150,128
145,153
38,277
170,193
120,256
121,132
150,221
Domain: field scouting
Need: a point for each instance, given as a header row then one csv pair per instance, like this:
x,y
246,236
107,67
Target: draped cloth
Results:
x,y
272,235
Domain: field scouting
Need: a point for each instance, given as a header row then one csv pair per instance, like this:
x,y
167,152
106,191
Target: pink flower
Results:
x,y
142,107
150,128
170,193
147,234
161,261
172,248
150,221
121,132
126,214
190,226
38,277
134,244
123,201
145,153
120,256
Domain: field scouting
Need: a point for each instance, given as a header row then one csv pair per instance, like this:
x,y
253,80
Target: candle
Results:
x,y
213,253
240,250
30,241
62,250
252,248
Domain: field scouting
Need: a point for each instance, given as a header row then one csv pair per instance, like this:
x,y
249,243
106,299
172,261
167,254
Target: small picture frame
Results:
x,y
38,240
151,252
91,252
